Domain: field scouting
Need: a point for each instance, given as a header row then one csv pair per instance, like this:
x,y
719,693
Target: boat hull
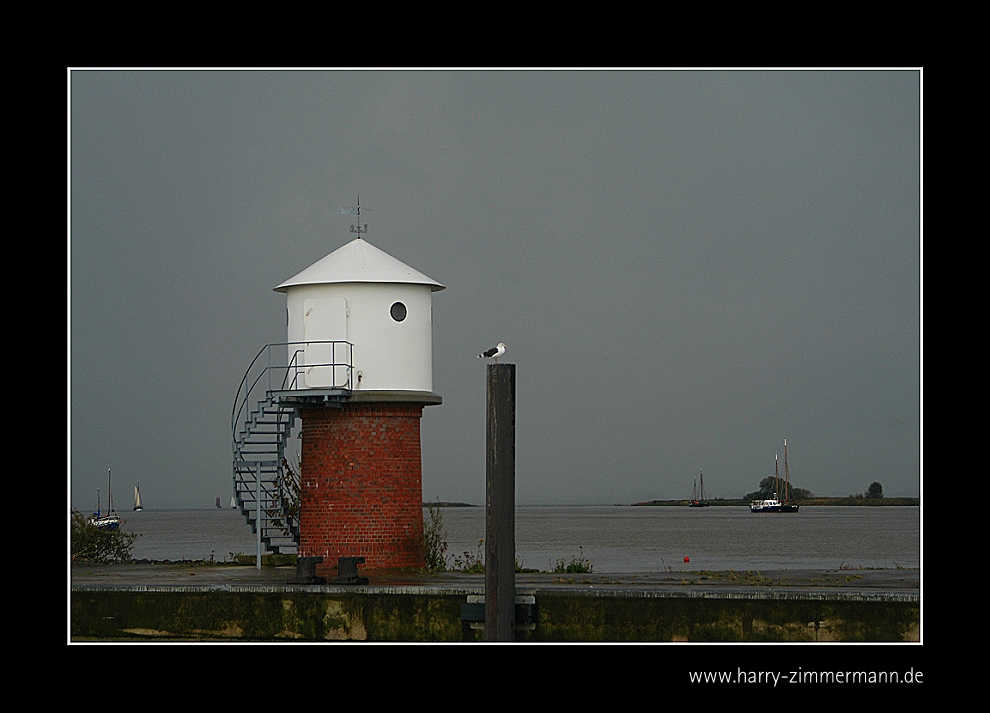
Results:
x,y
105,522
771,505
761,506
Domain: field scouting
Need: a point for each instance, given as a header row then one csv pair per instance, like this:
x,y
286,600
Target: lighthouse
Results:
x,y
351,382
361,467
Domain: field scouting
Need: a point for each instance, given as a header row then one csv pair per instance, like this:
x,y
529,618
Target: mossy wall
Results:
x,y
319,616
723,620
263,616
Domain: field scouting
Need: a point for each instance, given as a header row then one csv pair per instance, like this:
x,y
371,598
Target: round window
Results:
x,y
398,311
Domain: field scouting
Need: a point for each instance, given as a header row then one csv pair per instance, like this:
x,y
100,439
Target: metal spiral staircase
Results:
x,y
264,415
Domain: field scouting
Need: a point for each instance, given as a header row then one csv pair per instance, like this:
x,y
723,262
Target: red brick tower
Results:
x,y
361,490
360,336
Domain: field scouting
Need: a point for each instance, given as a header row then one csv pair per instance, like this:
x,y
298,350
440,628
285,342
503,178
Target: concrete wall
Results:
x,y
416,614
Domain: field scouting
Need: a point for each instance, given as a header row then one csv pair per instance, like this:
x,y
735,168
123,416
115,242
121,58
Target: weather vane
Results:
x,y
356,210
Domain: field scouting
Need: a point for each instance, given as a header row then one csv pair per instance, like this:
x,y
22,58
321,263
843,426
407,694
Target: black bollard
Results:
x,y
306,571
347,571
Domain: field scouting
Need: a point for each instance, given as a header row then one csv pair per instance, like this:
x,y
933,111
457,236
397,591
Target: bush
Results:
x,y
435,540
577,565
91,544
471,563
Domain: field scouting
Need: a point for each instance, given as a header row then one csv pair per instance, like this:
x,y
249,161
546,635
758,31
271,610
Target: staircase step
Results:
x,y
258,446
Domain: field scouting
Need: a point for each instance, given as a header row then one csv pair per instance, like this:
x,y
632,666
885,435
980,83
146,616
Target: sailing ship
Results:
x,y
110,521
773,504
138,507
769,504
698,499
233,503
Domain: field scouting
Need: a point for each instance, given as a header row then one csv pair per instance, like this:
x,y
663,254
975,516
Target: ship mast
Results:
x,y
787,476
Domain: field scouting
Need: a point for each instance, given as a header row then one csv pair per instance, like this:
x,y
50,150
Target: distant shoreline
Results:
x,y
810,502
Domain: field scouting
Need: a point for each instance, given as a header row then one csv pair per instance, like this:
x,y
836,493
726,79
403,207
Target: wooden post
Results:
x,y
500,530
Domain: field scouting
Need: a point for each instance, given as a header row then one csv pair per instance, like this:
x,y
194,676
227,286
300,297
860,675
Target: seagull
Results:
x,y
494,352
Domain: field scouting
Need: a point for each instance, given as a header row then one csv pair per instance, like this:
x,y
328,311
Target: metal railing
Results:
x,y
261,419
282,373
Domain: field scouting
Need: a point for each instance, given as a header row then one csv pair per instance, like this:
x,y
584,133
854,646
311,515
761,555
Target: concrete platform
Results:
x,y
202,602
894,584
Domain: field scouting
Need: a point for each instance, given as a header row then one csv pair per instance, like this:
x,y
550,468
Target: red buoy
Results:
x,y
687,559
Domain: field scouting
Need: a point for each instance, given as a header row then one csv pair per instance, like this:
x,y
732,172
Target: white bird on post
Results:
x,y
495,352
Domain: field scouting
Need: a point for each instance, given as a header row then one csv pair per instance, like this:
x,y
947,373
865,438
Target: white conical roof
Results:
x,y
359,261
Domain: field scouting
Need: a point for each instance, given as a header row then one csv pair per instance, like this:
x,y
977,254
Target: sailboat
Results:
x,y
769,504
218,502
698,499
138,507
233,503
110,521
773,504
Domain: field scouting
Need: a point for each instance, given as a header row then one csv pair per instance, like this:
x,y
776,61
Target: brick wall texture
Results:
x,y
361,489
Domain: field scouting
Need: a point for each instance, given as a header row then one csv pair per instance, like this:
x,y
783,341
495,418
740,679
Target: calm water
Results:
x,y
614,539
188,534
650,539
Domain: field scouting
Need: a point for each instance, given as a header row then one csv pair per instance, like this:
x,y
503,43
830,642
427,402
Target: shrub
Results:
x,y
91,544
471,563
577,565
434,540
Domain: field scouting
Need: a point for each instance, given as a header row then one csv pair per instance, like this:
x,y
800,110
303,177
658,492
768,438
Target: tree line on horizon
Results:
x,y
785,491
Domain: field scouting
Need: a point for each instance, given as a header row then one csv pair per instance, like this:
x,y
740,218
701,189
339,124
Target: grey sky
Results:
x,y
688,268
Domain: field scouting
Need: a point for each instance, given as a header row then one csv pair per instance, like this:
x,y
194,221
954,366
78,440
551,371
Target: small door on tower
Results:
x,y
326,356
